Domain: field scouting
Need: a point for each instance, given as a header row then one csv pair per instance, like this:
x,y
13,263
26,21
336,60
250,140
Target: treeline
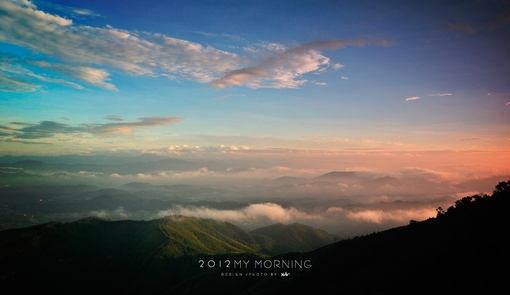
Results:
x,y
477,204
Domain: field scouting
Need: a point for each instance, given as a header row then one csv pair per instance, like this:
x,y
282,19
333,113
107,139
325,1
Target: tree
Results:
x,y
502,186
439,211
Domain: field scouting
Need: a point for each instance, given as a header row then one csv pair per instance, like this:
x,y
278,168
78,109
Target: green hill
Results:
x,y
126,255
293,237
192,236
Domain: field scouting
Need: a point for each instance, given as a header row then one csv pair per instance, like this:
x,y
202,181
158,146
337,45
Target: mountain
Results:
x,y
126,255
138,186
464,250
123,169
295,236
30,164
189,236
288,180
81,159
335,175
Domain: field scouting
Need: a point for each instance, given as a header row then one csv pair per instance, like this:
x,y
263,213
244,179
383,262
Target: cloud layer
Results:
x,y
343,221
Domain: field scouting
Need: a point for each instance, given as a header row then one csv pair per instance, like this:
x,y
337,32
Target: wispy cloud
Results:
x,y
283,69
502,21
412,98
88,53
89,75
473,139
27,141
462,28
436,95
77,12
91,54
508,103
271,211
48,129
13,84
441,94
498,20
114,118
383,43
128,127
213,35
4,130
15,78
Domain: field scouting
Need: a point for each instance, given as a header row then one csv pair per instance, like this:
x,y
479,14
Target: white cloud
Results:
x,y
76,12
378,216
49,129
55,80
117,214
283,69
116,118
269,211
333,219
30,15
92,76
13,84
274,47
412,98
24,3
15,78
441,94
91,54
85,53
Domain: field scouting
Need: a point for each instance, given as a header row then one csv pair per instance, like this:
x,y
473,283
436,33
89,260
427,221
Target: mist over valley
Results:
x,y
36,190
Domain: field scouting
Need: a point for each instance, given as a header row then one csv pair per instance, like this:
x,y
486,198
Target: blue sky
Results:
x,y
338,79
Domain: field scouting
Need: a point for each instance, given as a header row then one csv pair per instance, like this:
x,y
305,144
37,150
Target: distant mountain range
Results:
x,y
108,167
90,160
105,171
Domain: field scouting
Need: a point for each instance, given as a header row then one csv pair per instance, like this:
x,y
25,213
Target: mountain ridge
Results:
x,y
463,250
139,250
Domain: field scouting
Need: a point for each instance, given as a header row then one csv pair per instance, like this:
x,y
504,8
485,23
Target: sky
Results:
x,y
311,86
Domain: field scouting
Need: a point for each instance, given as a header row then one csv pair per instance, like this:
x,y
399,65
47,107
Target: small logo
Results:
x,y
285,274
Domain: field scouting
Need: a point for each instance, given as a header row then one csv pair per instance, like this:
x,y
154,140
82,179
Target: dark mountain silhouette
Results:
x,y
463,250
